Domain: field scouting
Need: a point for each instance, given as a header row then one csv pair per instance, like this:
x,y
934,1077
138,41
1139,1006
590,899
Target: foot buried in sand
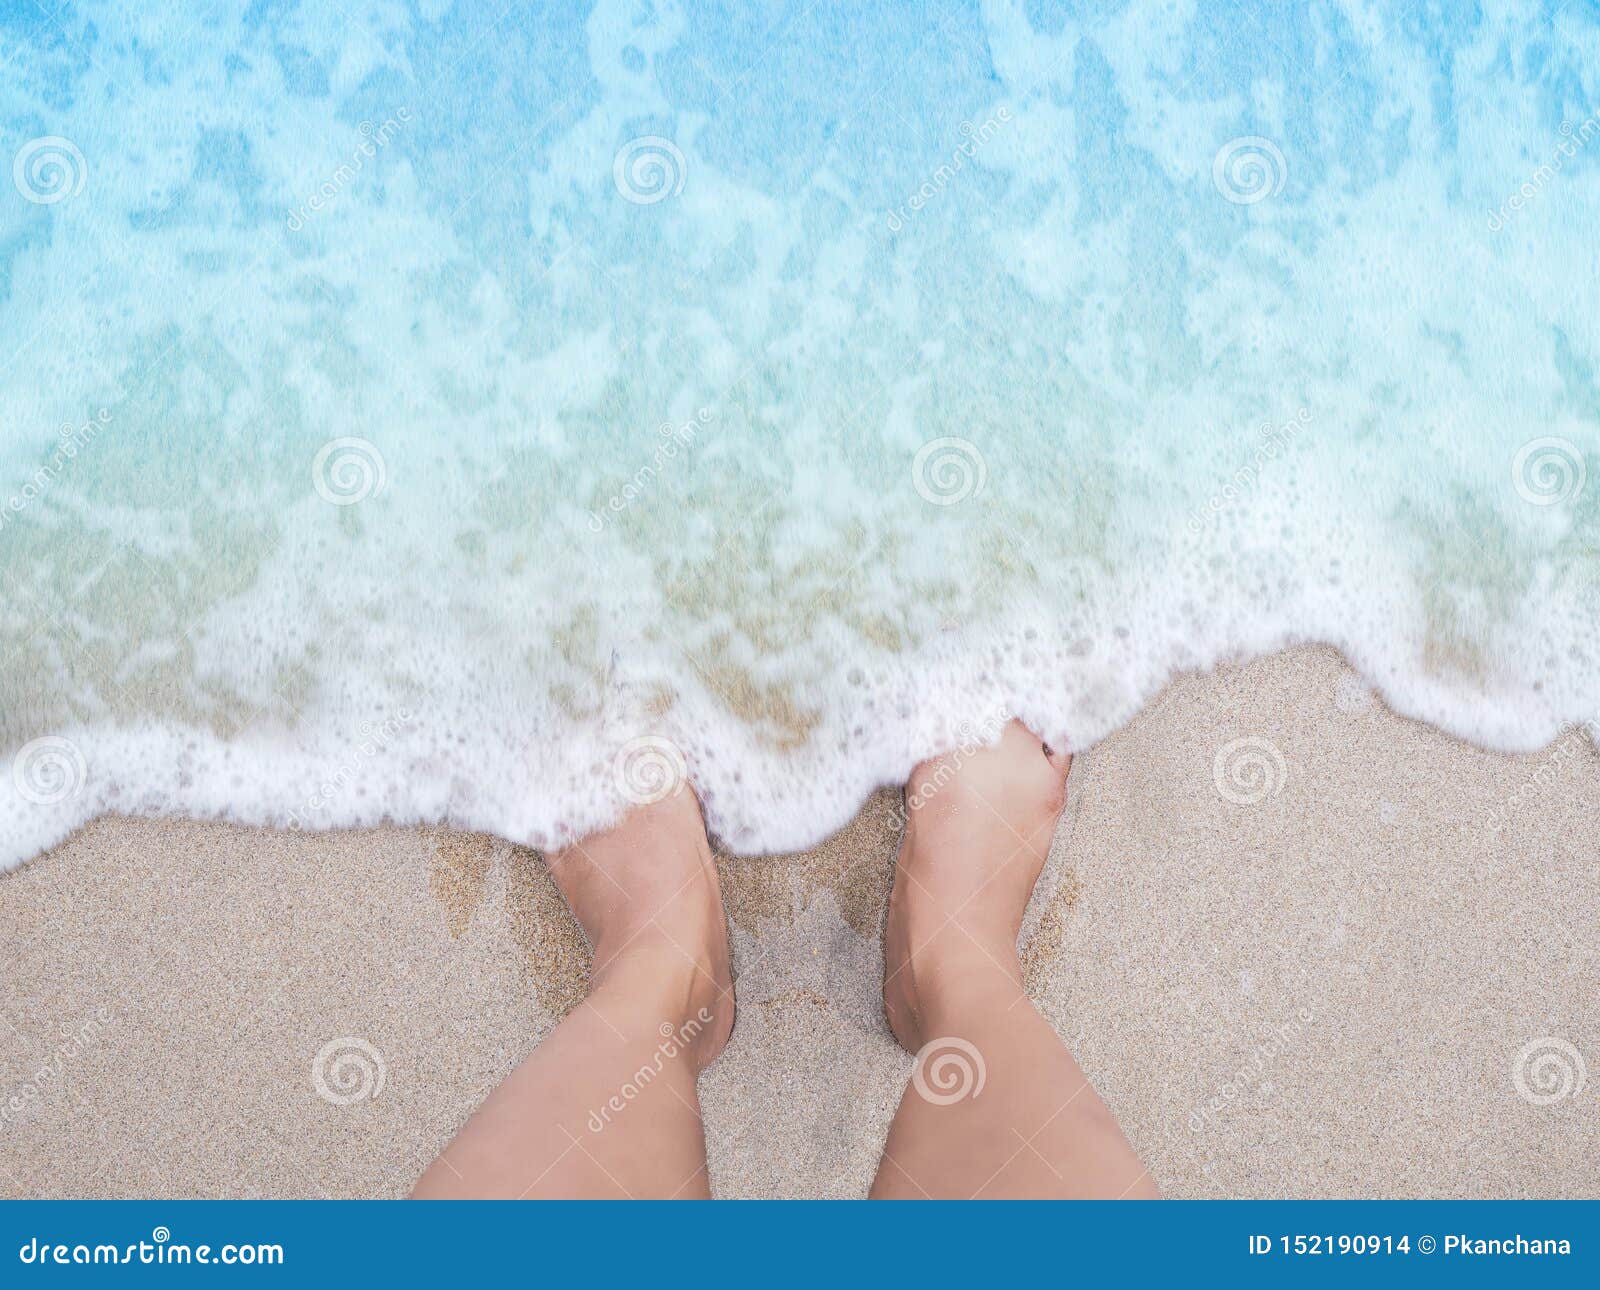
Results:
x,y
996,1106
606,1106
646,895
974,845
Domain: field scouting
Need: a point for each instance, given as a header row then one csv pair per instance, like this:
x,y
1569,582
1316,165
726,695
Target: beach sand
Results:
x,y
1328,992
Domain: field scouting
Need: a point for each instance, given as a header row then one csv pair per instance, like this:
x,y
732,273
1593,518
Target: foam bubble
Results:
x,y
537,427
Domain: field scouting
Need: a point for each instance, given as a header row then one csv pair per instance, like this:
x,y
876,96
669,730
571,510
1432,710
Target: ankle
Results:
x,y
958,988
656,993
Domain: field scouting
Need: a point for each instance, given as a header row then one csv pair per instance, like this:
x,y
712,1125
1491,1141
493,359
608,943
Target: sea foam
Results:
x,y
428,416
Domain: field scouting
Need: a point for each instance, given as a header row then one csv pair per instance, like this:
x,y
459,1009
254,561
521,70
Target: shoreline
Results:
x,y
766,784
1195,911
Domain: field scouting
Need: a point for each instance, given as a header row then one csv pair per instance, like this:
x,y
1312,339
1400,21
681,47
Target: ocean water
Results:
x,y
487,412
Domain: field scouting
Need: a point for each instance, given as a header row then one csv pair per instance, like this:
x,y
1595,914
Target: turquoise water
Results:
x,y
435,412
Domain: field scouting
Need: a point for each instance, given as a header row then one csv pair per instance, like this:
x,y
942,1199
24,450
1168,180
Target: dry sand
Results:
x,y
1324,993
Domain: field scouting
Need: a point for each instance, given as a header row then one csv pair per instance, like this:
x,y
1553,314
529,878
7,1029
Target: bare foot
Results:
x,y
646,894
978,829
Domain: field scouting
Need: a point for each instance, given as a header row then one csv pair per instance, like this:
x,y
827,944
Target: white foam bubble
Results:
x,y
380,524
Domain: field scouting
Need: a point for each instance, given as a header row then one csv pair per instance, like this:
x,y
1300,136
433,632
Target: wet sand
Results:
x,y
1367,965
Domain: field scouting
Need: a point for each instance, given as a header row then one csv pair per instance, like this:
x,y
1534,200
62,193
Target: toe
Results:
x,y
1022,744
1060,762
